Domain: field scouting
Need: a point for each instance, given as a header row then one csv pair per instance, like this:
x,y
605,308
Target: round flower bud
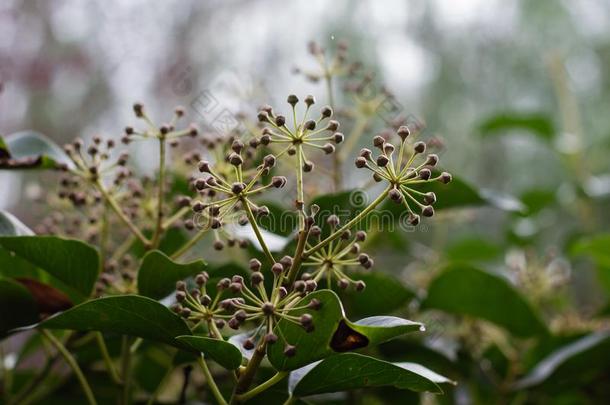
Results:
x,y
235,159
326,112
255,264
333,220
395,195
328,148
445,178
366,153
338,137
292,100
290,351
198,206
419,147
277,268
343,283
270,338
200,184
430,198
432,160
310,100
403,132
268,308
237,146
306,319
237,188
332,125
269,161
308,166
256,278
278,181
218,245
378,141
413,219
286,262
427,211
280,120
425,174
360,285
382,161
310,125
360,236
314,304
248,344
263,116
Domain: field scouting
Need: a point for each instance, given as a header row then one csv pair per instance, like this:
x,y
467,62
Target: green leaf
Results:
x,y
31,150
383,294
332,332
17,306
158,274
536,199
473,249
131,315
74,263
584,356
596,246
537,124
465,290
11,226
223,353
350,371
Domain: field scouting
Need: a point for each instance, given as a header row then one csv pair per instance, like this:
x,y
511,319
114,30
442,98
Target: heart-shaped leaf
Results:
x,y
465,290
158,274
74,263
131,315
332,332
567,363
11,226
223,353
17,306
31,150
350,371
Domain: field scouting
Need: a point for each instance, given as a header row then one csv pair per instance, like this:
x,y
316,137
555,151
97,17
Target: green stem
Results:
x,y
107,360
185,248
210,380
115,207
298,256
277,377
256,230
159,226
126,370
248,375
290,400
351,223
73,365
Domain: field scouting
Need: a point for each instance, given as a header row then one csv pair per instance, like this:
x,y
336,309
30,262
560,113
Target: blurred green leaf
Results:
x,y
11,226
74,263
158,274
499,124
350,371
465,290
581,358
537,199
223,353
383,294
131,315
31,150
332,332
473,249
595,246
17,306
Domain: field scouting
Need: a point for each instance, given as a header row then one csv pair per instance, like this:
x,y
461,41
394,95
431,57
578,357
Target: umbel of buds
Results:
x,y
404,176
332,262
298,136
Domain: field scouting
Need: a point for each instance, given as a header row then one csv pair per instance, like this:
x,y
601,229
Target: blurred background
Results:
x,y
512,93
532,70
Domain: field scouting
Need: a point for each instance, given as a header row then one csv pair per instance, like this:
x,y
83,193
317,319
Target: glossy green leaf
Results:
x,y
537,124
17,306
223,353
350,371
31,150
383,294
11,226
158,274
465,290
74,263
131,315
566,364
332,332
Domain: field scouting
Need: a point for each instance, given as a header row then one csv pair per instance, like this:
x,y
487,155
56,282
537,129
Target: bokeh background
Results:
x,y
71,68
514,91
